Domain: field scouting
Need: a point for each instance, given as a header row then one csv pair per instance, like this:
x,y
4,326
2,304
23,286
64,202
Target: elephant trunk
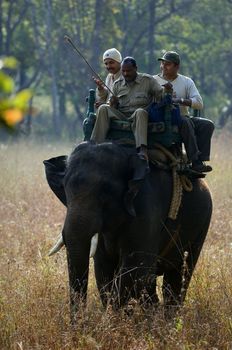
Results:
x,y
78,268
78,233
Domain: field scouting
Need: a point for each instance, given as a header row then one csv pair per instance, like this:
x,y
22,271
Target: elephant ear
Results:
x,y
55,169
138,169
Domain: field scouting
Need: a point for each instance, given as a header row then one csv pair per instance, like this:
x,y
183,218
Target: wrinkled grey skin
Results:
x,y
137,241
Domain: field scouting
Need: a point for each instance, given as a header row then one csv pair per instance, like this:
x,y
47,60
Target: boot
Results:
x,y
201,167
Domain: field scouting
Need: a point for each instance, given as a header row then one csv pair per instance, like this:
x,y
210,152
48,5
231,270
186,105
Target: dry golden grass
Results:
x,y
34,310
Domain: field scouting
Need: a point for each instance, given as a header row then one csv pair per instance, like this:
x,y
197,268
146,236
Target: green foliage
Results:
x,y
12,105
6,84
33,32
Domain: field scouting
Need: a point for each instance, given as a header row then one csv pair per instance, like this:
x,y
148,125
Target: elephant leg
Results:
x,y
147,292
176,280
137,279
175,283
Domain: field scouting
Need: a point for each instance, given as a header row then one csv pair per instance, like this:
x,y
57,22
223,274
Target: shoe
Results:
x,y
200,167
191,174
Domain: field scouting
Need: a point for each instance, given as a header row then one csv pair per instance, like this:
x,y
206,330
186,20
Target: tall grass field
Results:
x,y
34,291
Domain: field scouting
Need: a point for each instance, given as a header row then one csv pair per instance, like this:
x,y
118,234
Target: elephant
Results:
x,y
107,191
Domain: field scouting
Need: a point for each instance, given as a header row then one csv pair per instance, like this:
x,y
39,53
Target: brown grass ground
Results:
x,y
34,310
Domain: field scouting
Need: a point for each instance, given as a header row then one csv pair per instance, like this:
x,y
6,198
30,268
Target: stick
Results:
x,y
68,39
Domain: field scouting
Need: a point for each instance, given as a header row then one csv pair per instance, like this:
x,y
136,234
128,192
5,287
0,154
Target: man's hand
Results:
x,y
98,104
176,100
183,101
168,88
114,102
99,83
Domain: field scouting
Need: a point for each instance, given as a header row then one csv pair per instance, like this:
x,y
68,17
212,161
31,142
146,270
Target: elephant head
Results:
x,y
97,184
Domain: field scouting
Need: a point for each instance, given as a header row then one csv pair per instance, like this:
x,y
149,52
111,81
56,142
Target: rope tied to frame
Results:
x,y
180,182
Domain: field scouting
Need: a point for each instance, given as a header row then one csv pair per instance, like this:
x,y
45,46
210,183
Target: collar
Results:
x,y
117,75
137,79
162,77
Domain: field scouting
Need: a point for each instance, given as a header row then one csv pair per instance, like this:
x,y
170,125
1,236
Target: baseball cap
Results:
x,y
170,56
114,54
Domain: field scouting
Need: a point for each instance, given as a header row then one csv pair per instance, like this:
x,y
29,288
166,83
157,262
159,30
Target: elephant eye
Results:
x,y
77,182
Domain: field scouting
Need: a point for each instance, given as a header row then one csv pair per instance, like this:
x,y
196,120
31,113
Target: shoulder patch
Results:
x,y
117,81
147,75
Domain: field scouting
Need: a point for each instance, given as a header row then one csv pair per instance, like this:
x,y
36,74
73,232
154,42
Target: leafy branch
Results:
x,y
13,105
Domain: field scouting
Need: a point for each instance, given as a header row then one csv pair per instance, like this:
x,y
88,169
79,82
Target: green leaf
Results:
x,y
10,62
6,83
178,324
5,103
22,98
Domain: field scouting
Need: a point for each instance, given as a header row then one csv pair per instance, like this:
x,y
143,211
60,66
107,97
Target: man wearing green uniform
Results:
x,y
133,93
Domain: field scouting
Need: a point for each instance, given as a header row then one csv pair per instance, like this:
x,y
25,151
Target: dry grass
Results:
x,y
34,310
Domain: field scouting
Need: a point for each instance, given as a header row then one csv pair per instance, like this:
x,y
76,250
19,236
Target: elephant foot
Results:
x,y
171,311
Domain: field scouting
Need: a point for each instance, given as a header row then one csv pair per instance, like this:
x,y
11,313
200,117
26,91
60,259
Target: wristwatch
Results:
x,y
182,100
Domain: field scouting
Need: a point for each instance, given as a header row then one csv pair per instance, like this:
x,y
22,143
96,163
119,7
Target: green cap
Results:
x,y
170,56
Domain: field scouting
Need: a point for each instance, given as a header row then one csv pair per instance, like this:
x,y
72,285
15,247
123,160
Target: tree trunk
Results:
x,y
151,37
1,28
96,39
52,71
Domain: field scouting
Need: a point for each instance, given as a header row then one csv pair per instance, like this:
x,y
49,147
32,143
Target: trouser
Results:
x,y
105,113
196,134
204,129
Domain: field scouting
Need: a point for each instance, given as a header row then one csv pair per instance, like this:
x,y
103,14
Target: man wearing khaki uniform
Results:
x,y
133,92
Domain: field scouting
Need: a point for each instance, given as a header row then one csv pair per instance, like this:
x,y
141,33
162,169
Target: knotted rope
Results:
x,y
180,182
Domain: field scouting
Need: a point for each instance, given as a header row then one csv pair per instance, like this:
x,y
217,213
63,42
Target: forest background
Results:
x,y
34,307
33,32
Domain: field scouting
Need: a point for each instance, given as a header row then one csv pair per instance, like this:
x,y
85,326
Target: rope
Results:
x,y
176,195
186,183
180,183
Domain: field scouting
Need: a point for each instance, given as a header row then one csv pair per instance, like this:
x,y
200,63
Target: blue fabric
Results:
x,y
156,113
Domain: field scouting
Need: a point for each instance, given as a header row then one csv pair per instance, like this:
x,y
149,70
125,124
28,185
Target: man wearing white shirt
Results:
x,y
112,60
196,132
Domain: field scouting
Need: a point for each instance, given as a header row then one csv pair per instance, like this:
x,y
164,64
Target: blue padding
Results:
x,y
157,113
